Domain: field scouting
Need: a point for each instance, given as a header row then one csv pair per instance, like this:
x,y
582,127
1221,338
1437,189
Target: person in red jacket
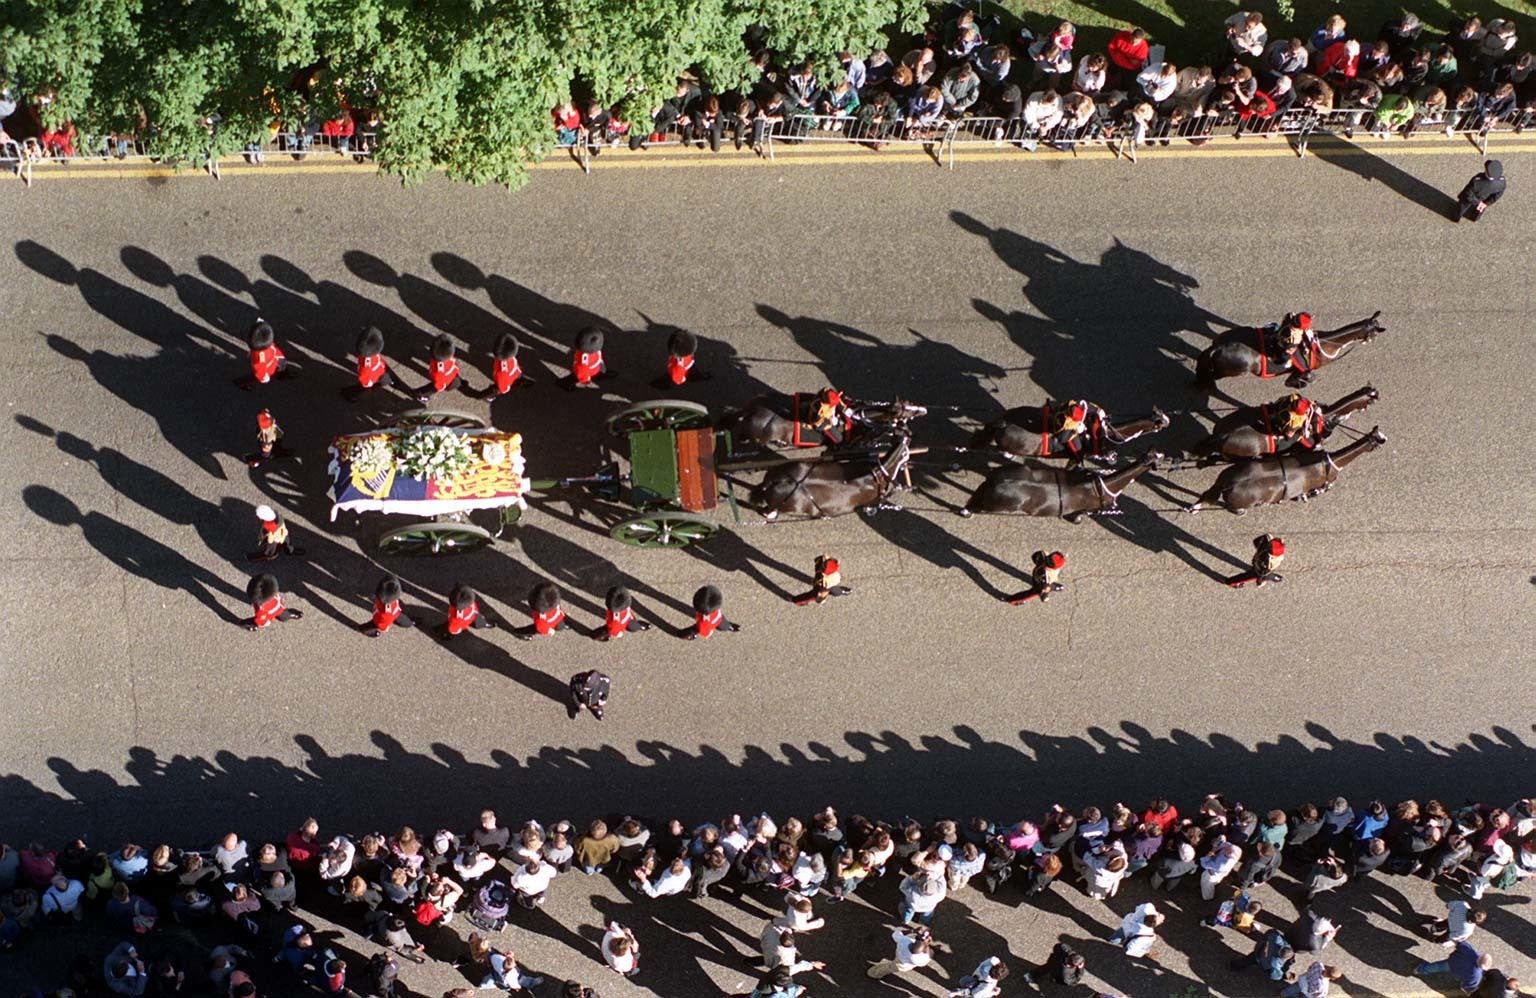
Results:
x,y
709,615
267,359
827,582
269,438
372,371
388,611
548,615
506,372
463,612
274,537
1268,553
620,618
267,603
1339,61
1127,52
587,363
1045,578
443,371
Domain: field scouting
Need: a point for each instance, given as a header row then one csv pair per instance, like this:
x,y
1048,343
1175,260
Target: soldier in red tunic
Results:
x,y
372,371
274,537
388,611
548,615
267,603
620,619
826,584
463,612
505,370
1268,553
444,370
1045,578
681,348
267,360
268,440
587,363
708,615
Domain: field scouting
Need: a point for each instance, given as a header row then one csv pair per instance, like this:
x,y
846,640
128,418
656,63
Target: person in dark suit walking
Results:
x,y
1481,191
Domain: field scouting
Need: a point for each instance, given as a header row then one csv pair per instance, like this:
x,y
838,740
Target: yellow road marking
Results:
x,y
837,154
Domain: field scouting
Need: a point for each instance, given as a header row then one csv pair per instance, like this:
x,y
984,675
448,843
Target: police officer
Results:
x,y
463,612
268,440
620,618
826,583
372,371
1045,578
708,615
443,371
274,538
388,611
1268,553
589,691
506,371
267,360
587,363
267,604
548,615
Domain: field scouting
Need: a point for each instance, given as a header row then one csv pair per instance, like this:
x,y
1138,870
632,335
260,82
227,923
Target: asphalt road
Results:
x,y
1391,662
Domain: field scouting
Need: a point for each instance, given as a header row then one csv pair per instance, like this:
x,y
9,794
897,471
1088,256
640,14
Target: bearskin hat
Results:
x,y
589,340
506,346
618,599
707,600
262,588
460,597
389,589
442,347
261,335
544,597
682,344
370,342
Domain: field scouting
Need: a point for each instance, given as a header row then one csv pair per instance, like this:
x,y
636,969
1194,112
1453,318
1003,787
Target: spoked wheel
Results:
x,y
431,538
452,419
664,530
662,414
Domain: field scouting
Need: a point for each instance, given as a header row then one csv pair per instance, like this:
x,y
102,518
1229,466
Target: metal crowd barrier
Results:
x,y
932,136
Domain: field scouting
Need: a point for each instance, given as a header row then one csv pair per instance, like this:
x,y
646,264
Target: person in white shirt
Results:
x,y
1138,930
1104,871
1458,924
336,858
986,981
1215,867
1314,983
531,882
913,950
621,951
798,917
1246,33
1158,80
673,880
1501,856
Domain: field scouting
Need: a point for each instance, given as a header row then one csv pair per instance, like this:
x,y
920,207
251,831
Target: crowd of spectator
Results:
x,y
250,904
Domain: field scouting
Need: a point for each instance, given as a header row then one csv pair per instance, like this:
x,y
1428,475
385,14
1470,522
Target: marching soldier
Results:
x,y
620,618
1268,553
372,371
268,440
589,691
267,360
463,612
274,537
826,584
267,603
1045,578
548,614
682,347
444,370
387,609
708,615
830,414
505,369
587,364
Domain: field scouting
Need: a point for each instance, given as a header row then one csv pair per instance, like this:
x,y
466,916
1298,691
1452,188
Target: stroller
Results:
x,y
489,908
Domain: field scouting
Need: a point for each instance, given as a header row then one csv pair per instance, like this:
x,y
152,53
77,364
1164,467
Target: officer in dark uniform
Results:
x,y
548,614
388,611
587,364
1268,553
826,583
463,612
269,438
709,615
1045,578
267,604
443,371
506,372
1481,191
589,691
620,618
372,371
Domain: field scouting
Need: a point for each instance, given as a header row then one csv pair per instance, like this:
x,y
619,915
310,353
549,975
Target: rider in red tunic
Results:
x,y
709,615
388,611
587,359
1045,578
463,612
620,618
1069,426
548,615
1297,418
830,414
1268,553
267,360
267,603
443,371
505,369
372,371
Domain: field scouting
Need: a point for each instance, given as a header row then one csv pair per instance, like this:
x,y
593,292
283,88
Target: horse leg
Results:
x,y
1209,497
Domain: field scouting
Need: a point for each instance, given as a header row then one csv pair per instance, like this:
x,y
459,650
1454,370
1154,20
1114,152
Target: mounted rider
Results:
x,y
830,415
1295,418
1292,343
1071,424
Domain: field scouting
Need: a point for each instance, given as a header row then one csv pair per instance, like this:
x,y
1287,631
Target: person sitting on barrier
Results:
x,y
879,117
804,89
961,89
768,115
704,122
842,101
1042,113
567,123
1393,113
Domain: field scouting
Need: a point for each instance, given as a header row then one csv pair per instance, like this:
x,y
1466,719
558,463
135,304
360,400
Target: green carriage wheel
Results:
x,y
433,538
452,419
661,414
664,530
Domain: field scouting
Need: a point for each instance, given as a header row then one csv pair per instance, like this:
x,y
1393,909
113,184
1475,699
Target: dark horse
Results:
x,y
1249,432
832,488
1026,432
1037,490
1266,481
1241,351
784,421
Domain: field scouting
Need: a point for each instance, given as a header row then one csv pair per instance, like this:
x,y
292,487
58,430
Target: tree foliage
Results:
x,y
462,86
